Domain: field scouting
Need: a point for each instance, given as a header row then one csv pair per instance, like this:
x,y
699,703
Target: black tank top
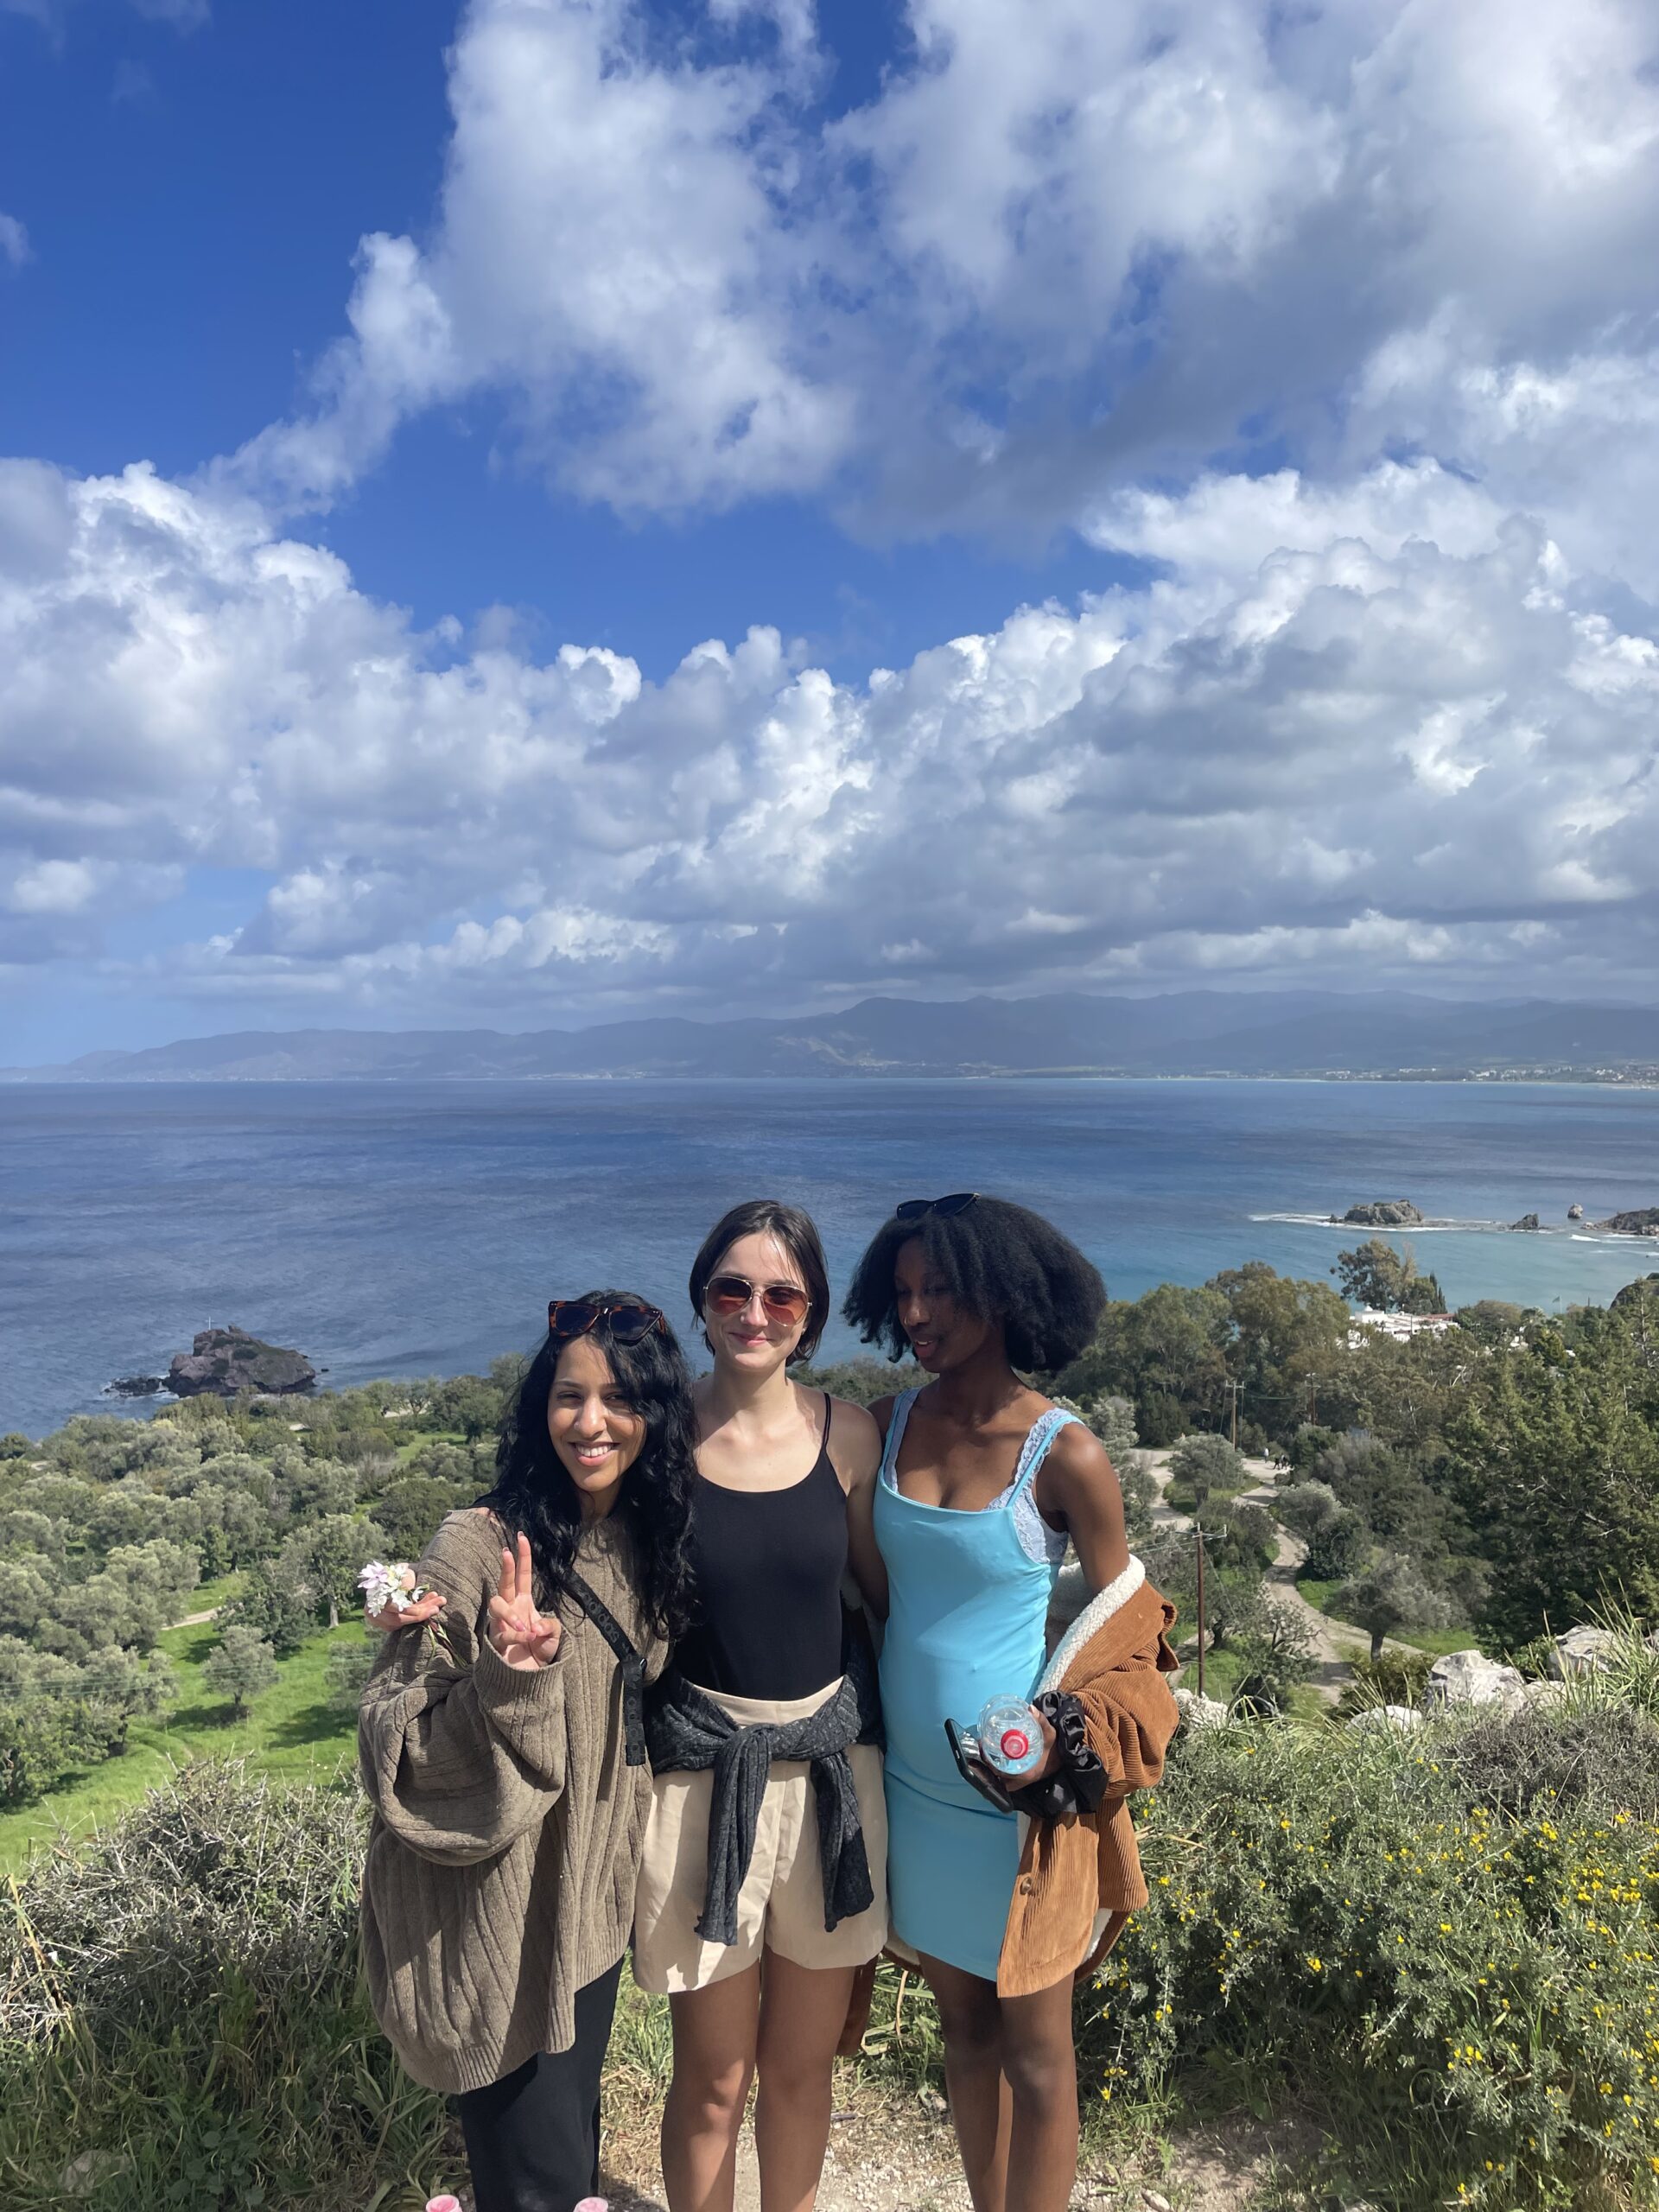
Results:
x,y
767,1565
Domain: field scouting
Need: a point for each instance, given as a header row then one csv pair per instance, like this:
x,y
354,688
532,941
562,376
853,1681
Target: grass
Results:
x,y
1435,1641
290,1731
208,1597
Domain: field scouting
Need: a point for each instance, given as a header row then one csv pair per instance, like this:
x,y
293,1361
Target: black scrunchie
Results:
x,y
1079,1783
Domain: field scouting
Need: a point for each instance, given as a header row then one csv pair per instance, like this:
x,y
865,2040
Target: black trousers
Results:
x,y
533,2138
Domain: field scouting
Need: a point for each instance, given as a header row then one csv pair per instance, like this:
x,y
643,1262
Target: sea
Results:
x,y
415,1229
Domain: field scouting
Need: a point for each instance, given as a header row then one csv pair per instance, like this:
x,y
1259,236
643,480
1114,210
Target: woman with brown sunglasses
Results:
x,y
762,1889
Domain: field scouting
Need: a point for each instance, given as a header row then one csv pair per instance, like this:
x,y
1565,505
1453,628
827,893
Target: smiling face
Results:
x,y
942,1334
596,1433
753,1340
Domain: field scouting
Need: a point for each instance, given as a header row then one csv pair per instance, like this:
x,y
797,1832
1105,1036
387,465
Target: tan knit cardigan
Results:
x,y
508,1826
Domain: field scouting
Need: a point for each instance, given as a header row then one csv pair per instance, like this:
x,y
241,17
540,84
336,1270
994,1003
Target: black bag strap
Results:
x,y
633,1667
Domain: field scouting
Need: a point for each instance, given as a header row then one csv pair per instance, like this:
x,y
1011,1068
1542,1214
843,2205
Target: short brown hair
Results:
x,y
796,1232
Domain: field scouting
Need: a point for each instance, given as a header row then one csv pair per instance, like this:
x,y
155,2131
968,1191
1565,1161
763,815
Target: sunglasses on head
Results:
x,y
785,1302
627,1320
913,1209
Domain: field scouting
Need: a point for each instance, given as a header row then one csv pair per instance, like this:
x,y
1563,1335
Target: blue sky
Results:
x,y
558,507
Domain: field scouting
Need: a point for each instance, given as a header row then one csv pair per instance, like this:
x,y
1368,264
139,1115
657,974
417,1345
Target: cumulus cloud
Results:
x,y
1340,323
1342,733
1060,248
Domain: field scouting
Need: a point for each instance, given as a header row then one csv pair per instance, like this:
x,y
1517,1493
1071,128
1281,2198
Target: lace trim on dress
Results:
x,y
1041,1543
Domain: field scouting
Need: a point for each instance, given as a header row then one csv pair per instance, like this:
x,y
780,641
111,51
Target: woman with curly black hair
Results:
x,y
1004,1893
501,1742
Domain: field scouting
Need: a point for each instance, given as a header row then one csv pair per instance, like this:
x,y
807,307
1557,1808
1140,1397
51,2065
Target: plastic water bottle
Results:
x,y
1009,1735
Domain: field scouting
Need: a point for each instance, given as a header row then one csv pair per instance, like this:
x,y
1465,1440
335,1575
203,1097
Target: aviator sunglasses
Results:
x,y
784,1302
955,1202
627,1320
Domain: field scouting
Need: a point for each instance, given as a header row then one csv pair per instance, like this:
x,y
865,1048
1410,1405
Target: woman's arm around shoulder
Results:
x,y
461,1733
855,1455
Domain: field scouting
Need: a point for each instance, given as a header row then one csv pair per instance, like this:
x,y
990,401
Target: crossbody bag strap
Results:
x,y
629,1662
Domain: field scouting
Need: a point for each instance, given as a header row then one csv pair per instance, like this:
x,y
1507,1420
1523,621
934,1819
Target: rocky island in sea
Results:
x,y
1381,1213
224,1361
1640,1221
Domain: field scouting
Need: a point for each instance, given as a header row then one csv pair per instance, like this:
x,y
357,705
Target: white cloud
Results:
x,y
14,242
1061,250
1344,732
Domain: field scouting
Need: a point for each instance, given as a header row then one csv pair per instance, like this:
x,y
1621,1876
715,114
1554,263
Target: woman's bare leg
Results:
x,y
803,2010
1040,2066
981,2108
714,2036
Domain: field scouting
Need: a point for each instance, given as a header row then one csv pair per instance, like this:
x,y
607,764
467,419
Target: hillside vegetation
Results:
x,y
1503,1474
1438,1949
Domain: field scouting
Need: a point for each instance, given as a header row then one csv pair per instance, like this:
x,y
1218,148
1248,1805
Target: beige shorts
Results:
x,y
780,1905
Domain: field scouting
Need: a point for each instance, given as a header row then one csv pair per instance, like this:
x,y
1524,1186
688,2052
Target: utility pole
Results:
x,y
1233,1387
1199,1534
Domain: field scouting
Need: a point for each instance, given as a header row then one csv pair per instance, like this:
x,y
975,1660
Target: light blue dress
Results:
x,y
969,1598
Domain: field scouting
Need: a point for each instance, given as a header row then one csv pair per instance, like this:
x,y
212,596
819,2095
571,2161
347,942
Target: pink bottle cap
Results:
x,y
1016,1745
443,2204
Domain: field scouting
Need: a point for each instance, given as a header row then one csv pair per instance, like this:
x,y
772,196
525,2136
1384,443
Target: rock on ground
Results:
x,y
1580,1651
1471,1678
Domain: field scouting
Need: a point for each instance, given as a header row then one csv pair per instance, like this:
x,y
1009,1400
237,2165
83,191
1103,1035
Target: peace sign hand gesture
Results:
x,y
522,1636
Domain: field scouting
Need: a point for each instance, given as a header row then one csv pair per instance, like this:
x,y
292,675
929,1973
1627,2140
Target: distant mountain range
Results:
x,y
1182,1033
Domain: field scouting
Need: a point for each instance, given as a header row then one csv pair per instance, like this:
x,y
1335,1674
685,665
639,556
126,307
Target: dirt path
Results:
x,y
1335,1644
900,2159
195,1620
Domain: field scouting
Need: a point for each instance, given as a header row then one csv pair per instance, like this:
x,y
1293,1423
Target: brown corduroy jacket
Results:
x,y
1080,1877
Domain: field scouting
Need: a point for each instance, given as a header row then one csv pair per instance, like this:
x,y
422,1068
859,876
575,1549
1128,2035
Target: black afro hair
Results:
x,y
998,1260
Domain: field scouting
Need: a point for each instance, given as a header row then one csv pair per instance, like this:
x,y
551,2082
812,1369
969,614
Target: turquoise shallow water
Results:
x,y
414,1229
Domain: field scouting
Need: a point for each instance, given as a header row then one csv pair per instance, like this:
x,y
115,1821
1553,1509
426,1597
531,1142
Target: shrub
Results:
x,y
1200,1466
48,1738
277,1609
1392,1593
180,2009
1594,1755
239,1667
1339,1549
1327,1907
861,1382
347,1671
1274,1650
1306,1508
1397,1678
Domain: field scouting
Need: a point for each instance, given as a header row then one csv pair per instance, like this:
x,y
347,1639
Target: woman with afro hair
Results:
x,y
1004,1893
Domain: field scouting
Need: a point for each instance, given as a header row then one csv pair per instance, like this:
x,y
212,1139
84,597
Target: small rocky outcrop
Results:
x,y
135,1386
1640,1221
226,1361
1580,1651
1575,1213
1200,1712
1376,1717
1527,1221
1471,1678
1381,1213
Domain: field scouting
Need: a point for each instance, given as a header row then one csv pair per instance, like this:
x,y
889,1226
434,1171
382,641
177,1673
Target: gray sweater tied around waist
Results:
x,y
686,1731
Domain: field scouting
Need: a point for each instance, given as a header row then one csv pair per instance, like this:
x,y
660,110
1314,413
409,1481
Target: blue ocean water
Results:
x,y
415,1229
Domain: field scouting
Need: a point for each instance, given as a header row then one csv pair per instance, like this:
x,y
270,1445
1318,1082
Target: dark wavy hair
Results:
x,y
998,1260
533,1494
796,1232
